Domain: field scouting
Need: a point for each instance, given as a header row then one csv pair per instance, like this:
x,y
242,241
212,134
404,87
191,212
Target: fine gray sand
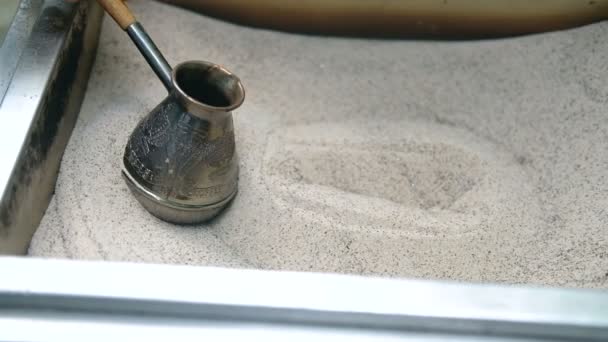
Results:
x,y
478,161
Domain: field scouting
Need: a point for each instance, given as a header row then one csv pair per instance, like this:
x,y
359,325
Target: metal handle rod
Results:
x,y
153,56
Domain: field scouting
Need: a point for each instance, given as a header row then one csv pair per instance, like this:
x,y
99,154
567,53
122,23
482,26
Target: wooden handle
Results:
x,y
119,11
406,18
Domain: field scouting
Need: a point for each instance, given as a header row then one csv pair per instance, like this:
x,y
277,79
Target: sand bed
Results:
x,y
477,161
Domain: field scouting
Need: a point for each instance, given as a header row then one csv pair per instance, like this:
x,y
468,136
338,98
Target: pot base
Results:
x,y
172,212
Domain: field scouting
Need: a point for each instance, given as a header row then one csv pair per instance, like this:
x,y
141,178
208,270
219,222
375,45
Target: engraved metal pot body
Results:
x,y
180,162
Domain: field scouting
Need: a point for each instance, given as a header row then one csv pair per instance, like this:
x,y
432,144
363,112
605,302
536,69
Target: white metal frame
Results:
x,y
50,300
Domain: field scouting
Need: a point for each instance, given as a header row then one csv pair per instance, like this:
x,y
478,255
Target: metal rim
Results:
x,y
181,92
